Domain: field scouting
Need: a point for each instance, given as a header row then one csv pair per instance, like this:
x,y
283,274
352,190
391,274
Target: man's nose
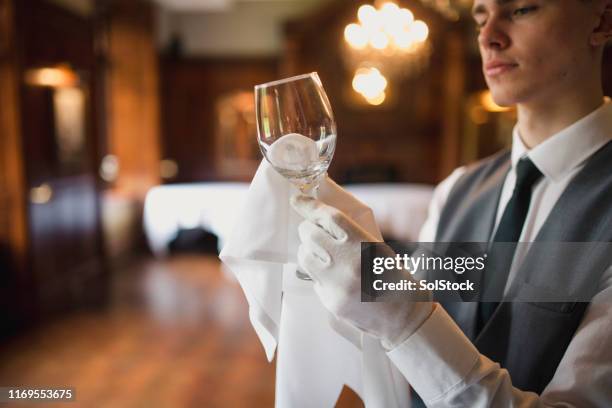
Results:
x,y
492,36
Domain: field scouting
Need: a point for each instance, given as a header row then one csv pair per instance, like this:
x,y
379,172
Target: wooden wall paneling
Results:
x,y
99,83
128,93
6,27
191,88
454,79
133,96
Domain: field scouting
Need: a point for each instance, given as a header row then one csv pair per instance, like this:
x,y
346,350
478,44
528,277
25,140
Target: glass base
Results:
x,y
301,275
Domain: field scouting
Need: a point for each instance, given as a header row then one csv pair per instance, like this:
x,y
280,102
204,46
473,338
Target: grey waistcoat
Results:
x,y
530,338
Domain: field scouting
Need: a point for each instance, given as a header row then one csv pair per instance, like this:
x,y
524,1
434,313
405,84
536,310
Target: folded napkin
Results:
x,y
317,354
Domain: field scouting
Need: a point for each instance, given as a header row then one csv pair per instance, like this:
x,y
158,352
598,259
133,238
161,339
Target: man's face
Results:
x,y
533,49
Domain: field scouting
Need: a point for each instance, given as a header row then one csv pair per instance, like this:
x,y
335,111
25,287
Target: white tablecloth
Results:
x,y
400,209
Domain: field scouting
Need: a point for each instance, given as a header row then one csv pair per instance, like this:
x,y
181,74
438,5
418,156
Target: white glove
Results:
x,y
330,252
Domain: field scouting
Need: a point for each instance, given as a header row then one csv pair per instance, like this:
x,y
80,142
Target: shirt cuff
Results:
x,y
437,357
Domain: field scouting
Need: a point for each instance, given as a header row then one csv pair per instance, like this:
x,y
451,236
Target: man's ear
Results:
x,y
603,33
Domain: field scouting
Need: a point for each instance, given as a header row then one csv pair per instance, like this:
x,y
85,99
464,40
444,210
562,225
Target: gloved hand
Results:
x,y
330,252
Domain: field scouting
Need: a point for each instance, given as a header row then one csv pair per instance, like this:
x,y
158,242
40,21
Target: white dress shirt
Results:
x,y
441,363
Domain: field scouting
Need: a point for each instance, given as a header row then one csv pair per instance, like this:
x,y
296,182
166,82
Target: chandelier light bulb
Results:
x,y
389,11
356,36
369,82
394,24
368,15
420,31
377,100
406,17
403,40
379,40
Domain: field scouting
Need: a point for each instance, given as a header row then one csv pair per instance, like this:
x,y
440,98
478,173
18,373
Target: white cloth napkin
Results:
x,y
317,355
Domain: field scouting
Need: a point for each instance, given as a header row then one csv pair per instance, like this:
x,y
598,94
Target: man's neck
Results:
x,y
539,121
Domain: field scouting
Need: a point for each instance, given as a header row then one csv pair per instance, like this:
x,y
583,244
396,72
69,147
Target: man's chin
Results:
x,y
503,97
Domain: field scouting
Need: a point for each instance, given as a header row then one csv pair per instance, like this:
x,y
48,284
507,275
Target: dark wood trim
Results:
x,y
12,178
13,187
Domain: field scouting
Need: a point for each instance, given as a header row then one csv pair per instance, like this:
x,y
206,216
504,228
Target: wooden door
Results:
x,y
59,138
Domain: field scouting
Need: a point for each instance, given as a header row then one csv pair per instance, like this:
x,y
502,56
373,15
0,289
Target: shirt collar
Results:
x,y
564,151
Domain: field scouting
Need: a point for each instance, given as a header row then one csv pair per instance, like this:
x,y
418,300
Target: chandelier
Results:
x,y
386,43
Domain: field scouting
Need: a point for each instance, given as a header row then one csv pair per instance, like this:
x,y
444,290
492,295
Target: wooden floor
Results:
x,y
175,335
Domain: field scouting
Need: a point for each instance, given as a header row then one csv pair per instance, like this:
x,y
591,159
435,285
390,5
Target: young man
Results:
x,y
545,57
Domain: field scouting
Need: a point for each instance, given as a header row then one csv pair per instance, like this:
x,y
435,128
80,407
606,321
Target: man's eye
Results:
x,y
523,10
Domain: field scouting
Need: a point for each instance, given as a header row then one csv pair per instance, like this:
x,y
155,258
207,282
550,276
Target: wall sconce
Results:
x,y
60,76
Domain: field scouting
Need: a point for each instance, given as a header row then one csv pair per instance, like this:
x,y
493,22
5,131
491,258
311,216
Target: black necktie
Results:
x,y
500,257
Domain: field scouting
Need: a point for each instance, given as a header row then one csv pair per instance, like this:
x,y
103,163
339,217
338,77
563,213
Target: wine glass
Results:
x,y
296,130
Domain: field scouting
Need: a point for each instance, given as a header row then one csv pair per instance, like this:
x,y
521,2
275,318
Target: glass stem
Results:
x,y
309,189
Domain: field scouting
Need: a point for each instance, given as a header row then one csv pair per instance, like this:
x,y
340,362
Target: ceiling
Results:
x,y
213,5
